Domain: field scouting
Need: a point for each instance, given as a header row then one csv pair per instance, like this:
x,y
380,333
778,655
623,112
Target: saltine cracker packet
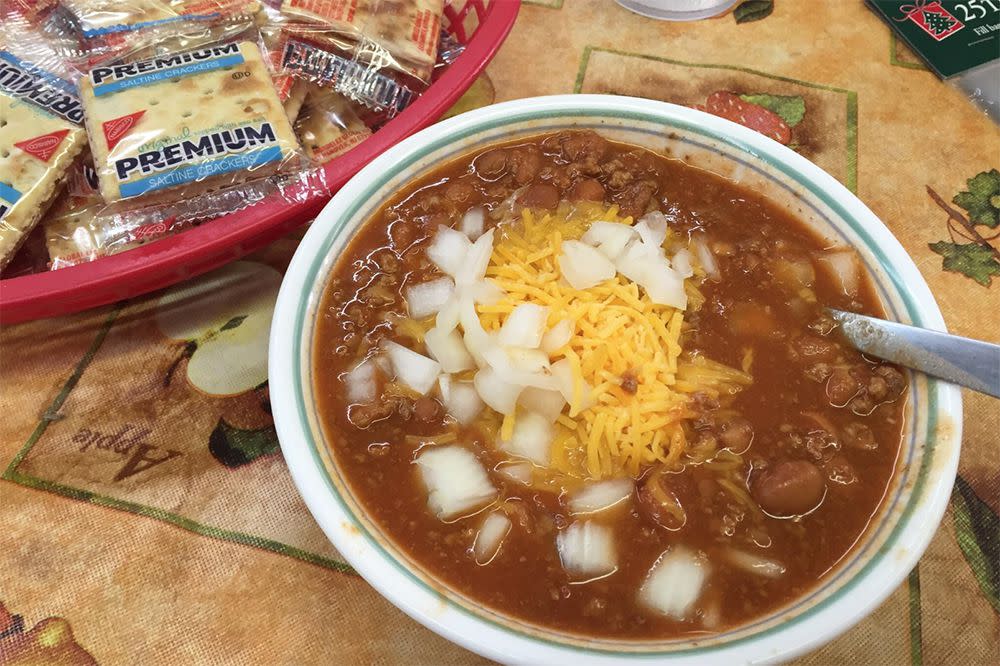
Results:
x,y
178,125
103,17
41,133
328,125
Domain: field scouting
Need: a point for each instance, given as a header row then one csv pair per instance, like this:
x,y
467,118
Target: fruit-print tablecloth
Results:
x,y
146,515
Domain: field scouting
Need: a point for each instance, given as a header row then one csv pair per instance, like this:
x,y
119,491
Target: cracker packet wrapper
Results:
x,y
378,53
75,234
328,125
398,34
201,133
41,130
111,29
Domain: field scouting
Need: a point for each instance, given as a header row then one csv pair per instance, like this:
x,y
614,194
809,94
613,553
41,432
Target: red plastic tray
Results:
x,y
212,244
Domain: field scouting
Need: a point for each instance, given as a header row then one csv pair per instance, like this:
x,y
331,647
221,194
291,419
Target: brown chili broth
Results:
x,y
526,579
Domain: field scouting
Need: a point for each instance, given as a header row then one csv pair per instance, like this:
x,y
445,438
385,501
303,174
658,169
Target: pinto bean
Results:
x,y
539,195
587,189
427,409
789,488
490,165
737,435
841,387
459,191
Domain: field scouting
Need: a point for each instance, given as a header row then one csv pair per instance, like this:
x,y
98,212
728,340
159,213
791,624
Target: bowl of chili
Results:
x,y
842,470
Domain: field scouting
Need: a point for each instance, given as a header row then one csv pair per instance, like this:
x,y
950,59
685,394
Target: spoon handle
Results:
x,y
970,363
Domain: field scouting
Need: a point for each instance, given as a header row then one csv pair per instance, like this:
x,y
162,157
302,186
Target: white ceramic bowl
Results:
x,y
928,457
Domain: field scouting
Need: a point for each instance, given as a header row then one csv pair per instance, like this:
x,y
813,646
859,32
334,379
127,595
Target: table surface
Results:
x,y
147,515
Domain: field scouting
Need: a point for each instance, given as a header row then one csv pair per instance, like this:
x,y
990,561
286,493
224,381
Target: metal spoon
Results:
x,y
971,363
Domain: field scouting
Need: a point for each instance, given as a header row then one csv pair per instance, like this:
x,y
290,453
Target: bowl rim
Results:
x,y
811,628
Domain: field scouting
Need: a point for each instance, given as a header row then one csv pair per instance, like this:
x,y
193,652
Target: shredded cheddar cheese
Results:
x,y
624,347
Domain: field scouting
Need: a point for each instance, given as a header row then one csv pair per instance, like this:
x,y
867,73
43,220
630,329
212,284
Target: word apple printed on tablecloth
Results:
x,y
138,455
972,251
224,352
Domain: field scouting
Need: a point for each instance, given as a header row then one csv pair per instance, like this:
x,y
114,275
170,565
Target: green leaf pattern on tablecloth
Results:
x,y
977,529
790,108
970,259
235,447
982,199
753,10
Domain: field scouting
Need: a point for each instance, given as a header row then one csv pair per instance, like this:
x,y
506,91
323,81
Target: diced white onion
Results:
x,y
501,396
755,564
545,402
444,387
448,349
448,250
463,402
664,286
472,222
681,263
448,316
427,298
557,336
652,228
361,386
474,264
635,260
524,326
674,583
476,339
845,269
516,471
610,238
583,266
587,550
491,535
412,369
600,496
531,439
706,258
562,374
456,482
384,364
520,366
487,292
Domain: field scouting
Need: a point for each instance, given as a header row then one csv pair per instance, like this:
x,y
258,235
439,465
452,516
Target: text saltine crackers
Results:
x,y
203,118
40,135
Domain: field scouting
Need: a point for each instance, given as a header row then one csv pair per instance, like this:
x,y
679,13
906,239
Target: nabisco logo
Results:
x,y
150,230
117,128
42,147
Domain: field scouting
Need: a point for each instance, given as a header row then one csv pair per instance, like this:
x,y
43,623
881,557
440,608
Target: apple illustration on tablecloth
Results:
x,y
223,320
